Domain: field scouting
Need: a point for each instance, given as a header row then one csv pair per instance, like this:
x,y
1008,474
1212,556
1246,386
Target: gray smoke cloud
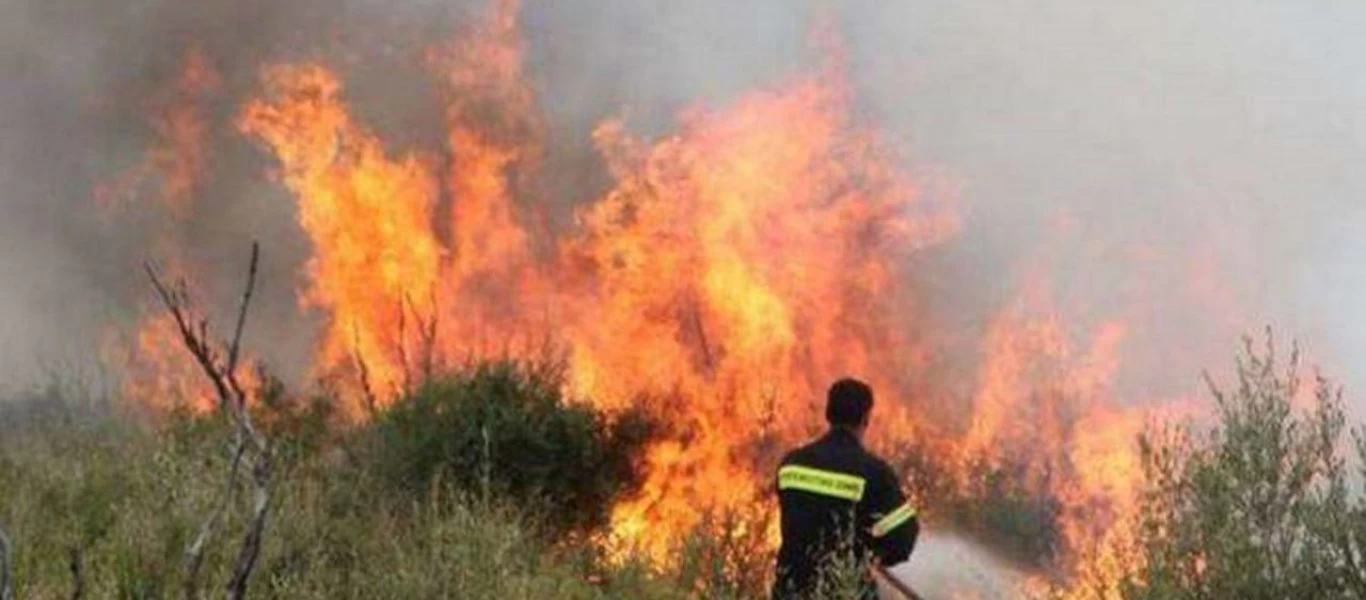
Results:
x,y
1228,133
1188,144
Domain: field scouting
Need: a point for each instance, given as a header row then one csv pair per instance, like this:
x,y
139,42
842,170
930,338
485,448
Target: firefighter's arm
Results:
x,y
895,525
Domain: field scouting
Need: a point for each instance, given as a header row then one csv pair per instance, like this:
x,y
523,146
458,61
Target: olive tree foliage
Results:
x,y
1263,504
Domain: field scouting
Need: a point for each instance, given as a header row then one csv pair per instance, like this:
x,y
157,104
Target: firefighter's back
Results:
x,y
820,490
839,503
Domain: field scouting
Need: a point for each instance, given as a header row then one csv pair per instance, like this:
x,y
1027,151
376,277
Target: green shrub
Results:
x,y
1258,506
505,429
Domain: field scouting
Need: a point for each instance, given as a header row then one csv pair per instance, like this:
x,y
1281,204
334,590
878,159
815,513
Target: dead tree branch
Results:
x,y
709,361
220,367
403,346
176,299
234,351
77,574
429,332
363,372
6,577
194,554
251,542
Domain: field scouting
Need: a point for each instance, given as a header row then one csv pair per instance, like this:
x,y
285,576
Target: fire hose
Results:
x,y
903,591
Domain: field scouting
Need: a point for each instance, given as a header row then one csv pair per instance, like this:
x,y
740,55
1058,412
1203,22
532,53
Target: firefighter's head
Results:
x,y
848,404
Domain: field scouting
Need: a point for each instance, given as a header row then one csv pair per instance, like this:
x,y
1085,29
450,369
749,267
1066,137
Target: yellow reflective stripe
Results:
x,y
893,520
817,481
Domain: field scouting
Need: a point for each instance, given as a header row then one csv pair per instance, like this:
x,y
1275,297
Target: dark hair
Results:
x,y
848,402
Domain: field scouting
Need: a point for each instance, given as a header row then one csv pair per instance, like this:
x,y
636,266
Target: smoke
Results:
x,y
86,82
1203,154
1189,167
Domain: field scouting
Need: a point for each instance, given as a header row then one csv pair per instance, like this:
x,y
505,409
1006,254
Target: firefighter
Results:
x,y
839,503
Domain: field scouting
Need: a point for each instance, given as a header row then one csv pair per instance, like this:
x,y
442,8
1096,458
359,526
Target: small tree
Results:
x,y
1259,506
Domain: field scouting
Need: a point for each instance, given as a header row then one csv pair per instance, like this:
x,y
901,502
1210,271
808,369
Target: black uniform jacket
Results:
x,y
838,501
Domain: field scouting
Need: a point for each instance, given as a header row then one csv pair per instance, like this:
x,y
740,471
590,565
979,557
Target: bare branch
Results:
x,y
427,335
363,370
696,316
251,543
77,573
403,344
242,311
175,301
194,555
6,578
429,331
232,399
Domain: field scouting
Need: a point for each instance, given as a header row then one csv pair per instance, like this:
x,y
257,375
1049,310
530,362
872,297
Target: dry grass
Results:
x,y
130,496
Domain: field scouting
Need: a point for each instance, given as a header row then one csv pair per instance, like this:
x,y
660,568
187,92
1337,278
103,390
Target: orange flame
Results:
x,y
368,216
179,158
493,128
156,372
735,266
740,260
731,270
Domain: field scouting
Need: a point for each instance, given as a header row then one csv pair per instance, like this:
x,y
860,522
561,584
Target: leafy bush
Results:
x,y
504,428
1258,506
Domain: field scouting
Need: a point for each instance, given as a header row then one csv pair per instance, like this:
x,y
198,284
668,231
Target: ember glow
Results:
x,y
732,268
